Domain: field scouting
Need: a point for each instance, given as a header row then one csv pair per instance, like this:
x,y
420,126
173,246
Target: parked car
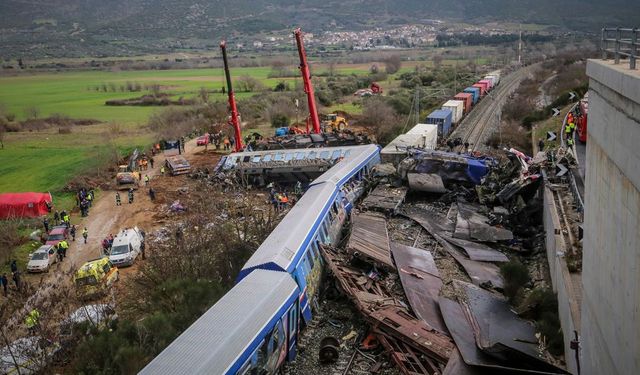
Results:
x,y
57,234
42,259
126,247
203,140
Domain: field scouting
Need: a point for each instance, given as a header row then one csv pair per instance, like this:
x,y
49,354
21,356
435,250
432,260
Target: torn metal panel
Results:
x,y
471,225
385,198
409,361
457,366
482,274
426,182
462,332
478,251
421,283
370,240
397,322
500,332
430,221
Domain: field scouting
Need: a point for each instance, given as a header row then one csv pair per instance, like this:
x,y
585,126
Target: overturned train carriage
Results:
x,y
254,327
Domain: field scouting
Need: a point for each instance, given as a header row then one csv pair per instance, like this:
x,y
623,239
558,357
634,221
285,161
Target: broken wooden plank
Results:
x,y
397,322
421,283
369,240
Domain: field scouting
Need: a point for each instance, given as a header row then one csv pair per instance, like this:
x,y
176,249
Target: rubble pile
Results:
x,y
427,279
325,139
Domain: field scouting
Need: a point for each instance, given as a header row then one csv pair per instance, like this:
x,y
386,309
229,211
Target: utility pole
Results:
x,y
520,48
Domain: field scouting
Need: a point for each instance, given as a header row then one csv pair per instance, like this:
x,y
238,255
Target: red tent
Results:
x,y
16,205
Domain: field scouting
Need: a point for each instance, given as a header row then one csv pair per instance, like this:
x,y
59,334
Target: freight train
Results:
x,y
453,111
254,328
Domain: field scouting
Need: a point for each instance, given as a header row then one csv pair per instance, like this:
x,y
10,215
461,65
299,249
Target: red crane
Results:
x,y
308,87
232,101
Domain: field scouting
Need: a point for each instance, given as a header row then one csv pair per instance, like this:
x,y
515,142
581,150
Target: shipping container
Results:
x,y
491,79
482,87
466,98
442,118
475,92
457,109
422,136
497,74
489,87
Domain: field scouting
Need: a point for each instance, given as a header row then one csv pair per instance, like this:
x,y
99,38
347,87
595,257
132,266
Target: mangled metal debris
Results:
x,y
482,274
409,360
478,251
385,198
421,283
471,225
369,240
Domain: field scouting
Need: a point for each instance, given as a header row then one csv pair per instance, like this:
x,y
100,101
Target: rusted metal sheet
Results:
x,y
421,283
471,225
430,221
456,366
385,198
462,331
478,251
370,240
482,274
500,332
409,361
397,322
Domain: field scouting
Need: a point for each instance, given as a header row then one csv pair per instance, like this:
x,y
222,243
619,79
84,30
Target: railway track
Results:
x,y
474,129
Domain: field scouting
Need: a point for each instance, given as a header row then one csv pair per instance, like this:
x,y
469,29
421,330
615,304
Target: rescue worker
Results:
x,y
56,217
130,195
45,222
72,231
59,252
85,234
152,194
151,162
146,180
64,245
5,283
162,170
541,145
67,220
31,321
118,202
570,142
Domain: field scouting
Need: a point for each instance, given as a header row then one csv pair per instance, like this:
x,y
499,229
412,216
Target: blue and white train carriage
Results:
x,y
253,329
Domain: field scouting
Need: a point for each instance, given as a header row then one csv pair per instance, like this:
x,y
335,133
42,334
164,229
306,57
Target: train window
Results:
x,y
312,155
246,159
314,249
288,156
293,321
309,259
347,153
278,157
324,154
267,157
336,154
334,208
256,159
299,155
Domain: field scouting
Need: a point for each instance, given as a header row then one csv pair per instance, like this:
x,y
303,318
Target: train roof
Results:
x,y
279,251
221,339
349,166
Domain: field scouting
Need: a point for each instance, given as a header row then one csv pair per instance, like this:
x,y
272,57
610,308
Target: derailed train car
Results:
x,y
253,329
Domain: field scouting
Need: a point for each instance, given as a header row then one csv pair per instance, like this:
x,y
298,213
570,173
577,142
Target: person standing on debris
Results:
x,y
85,234
466,147
118,202
130,195
146,180
31,321
541,145
45,222
152,194
56,217
5,283
73,232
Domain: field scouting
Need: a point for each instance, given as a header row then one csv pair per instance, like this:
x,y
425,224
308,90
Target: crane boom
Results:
x,y
232,101
306,78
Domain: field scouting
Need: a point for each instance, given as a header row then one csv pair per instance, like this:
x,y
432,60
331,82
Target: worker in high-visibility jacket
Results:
x,y
31,321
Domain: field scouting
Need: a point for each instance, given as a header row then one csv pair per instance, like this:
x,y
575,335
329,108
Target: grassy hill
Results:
x,y
116,27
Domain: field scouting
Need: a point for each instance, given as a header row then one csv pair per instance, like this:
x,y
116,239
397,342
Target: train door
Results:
x,y
293,315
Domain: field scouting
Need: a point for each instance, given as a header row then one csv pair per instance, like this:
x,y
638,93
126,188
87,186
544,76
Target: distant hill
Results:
x,y
59,26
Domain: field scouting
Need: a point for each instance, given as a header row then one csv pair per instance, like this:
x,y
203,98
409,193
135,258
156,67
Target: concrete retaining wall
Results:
x,y
561,279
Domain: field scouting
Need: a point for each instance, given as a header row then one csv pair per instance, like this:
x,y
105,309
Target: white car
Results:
x,y
42,259
126,247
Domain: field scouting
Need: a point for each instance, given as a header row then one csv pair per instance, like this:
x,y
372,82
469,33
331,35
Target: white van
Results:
x,y
126,247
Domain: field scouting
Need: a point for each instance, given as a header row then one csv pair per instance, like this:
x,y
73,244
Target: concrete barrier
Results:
x,y
563,281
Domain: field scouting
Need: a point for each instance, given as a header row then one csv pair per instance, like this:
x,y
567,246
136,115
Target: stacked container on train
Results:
x,y
454,110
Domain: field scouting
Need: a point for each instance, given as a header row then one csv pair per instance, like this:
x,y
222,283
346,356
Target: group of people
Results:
x,y
569,129
144,162
218,139
84,200
279,199
61,249
15,275
107,243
